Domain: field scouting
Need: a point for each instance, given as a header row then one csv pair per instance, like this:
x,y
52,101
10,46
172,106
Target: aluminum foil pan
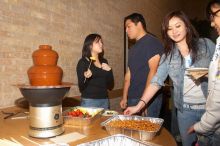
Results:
x,y
115,140
137,134
81,121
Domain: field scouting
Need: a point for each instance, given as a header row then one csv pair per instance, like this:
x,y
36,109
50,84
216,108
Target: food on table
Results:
x,y
79,113
45,71
143,128
135,125
110,113
81,116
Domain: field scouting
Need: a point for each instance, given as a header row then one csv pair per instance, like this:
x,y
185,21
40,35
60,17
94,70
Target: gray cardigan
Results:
x,y
210,121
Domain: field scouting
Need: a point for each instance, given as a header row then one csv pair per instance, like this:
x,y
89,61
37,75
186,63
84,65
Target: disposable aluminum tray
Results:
x,y
82,121
137,134
115,140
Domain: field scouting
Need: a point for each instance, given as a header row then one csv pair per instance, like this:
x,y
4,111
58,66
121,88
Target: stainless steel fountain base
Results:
x,y
46,121
45,109
46,133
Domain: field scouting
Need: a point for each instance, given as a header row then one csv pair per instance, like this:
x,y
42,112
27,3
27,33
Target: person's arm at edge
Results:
x,y
127,79
210,118
153,64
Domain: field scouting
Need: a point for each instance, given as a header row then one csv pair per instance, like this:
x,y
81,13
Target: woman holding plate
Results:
x,y
183,50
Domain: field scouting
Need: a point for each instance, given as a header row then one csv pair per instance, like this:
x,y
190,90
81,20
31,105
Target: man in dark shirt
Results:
x,y
143,60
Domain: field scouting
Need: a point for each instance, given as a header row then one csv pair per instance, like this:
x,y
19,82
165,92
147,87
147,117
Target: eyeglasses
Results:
x,y
213,15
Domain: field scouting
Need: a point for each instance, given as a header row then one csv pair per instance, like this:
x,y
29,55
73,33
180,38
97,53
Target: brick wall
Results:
x,y
25,24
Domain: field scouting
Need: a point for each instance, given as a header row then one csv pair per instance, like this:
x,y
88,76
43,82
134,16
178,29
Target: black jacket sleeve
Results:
x,y
109,78
81,68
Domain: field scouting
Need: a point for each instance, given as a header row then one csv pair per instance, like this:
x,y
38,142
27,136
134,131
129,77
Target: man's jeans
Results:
x,y
210,140
153,110
186,119
89,102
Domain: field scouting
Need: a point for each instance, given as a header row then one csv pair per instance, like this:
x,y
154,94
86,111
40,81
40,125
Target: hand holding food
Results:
x,y
131,110
88,73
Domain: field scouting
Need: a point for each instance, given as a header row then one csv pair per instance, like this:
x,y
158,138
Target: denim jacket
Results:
x,y
175,68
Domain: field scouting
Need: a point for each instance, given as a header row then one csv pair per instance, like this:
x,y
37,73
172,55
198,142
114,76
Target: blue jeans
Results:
x,y
89,102
209,140
186,119
154,107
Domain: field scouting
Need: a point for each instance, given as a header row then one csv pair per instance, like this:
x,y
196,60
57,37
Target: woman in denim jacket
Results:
x,y
183,49
209,126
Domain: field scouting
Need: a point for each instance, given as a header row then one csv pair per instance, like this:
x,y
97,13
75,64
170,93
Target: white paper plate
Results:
x,y
110,113
197,69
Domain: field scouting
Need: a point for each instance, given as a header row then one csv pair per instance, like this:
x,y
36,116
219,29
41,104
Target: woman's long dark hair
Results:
x,y
87,46
192,36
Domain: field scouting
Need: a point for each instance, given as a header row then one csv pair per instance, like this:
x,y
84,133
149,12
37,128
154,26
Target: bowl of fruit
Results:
x,y
81,116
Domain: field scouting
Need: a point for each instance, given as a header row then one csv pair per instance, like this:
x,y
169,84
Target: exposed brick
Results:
x,y
64,24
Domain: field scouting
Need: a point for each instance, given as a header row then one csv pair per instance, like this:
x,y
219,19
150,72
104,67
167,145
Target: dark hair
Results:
x,y
208,8
191,35
87,46
135,18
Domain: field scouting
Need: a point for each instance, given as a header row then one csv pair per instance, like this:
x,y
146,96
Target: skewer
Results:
x,y
91,59
14,140
15,118
6,142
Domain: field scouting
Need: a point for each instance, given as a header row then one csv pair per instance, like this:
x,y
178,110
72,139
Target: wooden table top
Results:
x,y
18,128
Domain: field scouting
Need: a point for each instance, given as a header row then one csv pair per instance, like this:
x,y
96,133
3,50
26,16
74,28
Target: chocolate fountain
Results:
x,y
45,94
